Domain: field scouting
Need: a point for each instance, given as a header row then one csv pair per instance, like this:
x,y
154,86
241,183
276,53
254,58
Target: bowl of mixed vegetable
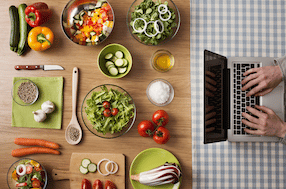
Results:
x,y
153,22
87,22
114,61
108,111
27,173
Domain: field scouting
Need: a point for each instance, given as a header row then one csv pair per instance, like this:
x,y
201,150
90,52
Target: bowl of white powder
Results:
x,y
160,92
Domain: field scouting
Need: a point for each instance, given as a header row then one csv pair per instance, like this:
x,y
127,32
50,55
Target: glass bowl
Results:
x,y
160,54
161,38
15,95
90,126
171,92
73,8
12,183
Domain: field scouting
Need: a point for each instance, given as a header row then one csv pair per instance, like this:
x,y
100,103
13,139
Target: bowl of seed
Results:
x,y
25,92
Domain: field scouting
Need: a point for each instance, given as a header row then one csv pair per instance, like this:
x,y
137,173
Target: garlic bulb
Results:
x,y
48,107
39,115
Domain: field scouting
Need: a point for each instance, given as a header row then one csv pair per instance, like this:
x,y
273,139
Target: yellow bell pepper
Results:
x,y
40,38
14,175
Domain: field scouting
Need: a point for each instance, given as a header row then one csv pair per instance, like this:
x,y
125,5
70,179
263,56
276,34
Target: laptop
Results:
x,y
229,101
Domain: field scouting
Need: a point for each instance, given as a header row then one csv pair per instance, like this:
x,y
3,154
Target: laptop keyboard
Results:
x,y
240,100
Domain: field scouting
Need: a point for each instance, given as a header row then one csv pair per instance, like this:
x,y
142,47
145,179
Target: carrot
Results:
x,y
33,150
36,142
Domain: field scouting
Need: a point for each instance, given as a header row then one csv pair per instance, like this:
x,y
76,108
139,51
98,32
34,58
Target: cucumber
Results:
x,y
108,63
109,56
122,70
110,66
119,62
76,17
85,163
23,30
125,62
119,54
113,71
91,167
14,35
83,170
114,58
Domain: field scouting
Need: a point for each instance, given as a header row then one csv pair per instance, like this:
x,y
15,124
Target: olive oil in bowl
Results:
x,y
162,61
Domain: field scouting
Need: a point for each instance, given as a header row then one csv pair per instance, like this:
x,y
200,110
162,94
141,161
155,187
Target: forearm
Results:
x,y
282,131
281,62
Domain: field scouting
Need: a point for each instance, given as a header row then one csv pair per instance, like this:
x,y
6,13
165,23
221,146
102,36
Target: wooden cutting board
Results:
x,y
76,177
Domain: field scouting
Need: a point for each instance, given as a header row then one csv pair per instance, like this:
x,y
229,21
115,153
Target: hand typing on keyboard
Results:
x,y
265,121
265,79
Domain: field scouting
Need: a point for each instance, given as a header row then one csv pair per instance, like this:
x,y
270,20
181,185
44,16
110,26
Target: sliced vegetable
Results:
x,y
109,185
111,171
109,56
85,184
97,184
122,70
85,162
83,170
21,170
119,62
119,54
91,167
98,165
113,71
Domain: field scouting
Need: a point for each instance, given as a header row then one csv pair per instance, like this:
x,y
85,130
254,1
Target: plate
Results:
x,y
149,159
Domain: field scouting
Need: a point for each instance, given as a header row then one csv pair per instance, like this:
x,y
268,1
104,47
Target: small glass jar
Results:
x,y
162,61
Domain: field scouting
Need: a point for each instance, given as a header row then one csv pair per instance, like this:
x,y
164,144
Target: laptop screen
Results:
x,y
216,92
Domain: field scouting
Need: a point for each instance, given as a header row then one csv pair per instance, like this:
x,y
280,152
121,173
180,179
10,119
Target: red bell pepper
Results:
x,y
37,14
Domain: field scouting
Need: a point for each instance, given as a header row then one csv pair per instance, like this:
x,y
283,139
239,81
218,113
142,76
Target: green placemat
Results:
x,y
50,88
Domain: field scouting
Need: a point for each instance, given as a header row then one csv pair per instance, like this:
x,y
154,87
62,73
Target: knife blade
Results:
x,y
36,67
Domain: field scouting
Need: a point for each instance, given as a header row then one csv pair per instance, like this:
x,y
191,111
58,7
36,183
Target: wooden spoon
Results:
x,y
74,122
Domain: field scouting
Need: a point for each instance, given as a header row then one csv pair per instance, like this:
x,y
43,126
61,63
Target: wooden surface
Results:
x,y
75,177
70,55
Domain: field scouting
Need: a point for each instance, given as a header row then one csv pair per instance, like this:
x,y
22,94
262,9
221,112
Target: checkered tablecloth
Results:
x,y
235,28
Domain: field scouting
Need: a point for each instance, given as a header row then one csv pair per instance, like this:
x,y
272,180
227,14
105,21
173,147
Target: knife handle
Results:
x,y
27,67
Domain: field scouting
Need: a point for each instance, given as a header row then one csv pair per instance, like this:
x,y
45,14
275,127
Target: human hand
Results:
x,y
210,118
210,83
266,78
267,123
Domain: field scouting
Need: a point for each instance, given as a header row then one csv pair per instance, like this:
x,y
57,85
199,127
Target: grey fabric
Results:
x,y
282,64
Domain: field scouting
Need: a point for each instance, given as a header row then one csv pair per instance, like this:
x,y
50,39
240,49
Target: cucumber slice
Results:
x,y
113,71
110,66
91,167
83,170
122,70
109,56
76,21
89,13
80,22
119,54
91,7
92,33
108,63
125,62
119,62
114,58
85,162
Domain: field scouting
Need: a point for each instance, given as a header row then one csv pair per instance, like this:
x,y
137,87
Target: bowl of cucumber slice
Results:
x,y
114,61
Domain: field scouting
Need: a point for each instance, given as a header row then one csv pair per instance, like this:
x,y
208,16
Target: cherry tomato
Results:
x,y
36,184
162,135
160,118
85,184
146,128
114,111
97,184
109,185
106,104
107,112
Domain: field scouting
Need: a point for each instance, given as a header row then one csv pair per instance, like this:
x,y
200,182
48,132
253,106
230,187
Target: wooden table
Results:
x,y
69,55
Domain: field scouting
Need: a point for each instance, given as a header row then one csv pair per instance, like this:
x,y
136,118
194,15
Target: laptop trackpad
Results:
x,y
275,101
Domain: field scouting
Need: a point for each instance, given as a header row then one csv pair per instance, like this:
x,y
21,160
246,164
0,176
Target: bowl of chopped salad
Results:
x,y
108,111
87,22
153,22
27,173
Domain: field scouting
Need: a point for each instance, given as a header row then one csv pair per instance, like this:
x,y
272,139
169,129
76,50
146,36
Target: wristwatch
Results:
x,y
283,140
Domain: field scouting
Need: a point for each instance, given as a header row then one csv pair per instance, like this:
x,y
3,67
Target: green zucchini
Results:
x,y
23,29
14,35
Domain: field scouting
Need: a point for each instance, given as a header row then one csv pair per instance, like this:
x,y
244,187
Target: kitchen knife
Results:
x,y
35,67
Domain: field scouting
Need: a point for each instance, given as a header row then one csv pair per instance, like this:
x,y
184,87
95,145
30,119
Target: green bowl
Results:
x,y
112,48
